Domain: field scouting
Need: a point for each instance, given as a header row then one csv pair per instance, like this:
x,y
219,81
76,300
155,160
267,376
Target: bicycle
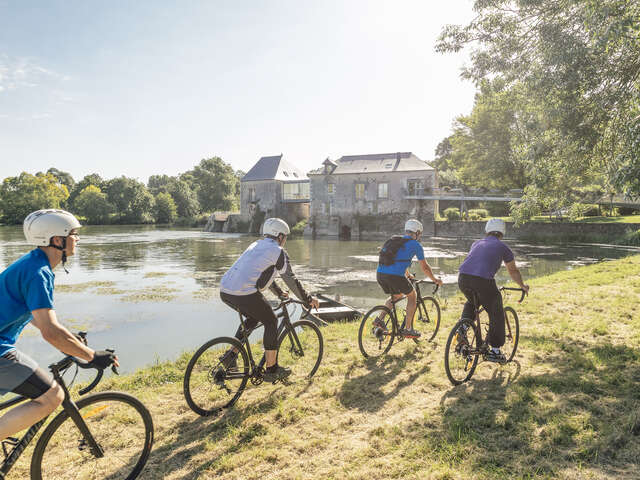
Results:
x,y
465,343
375,341
103,435
210,385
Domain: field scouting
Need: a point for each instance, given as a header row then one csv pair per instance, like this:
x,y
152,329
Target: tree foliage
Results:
x,y
25,193
573,67
215,183
92,204
165,208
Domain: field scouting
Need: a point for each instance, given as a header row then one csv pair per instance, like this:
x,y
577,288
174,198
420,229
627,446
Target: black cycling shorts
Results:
x,y
257,310
394,284
20,374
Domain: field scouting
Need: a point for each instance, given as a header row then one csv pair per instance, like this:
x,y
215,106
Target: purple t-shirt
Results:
x,y
485,257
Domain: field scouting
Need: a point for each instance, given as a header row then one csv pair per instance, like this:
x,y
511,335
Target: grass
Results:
x,y
618,219
568,408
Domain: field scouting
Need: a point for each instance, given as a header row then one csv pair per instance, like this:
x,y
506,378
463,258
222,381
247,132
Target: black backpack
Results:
x,y
390,249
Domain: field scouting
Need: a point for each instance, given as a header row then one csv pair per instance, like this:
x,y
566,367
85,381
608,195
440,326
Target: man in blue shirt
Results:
x,y
476,276
26,295
394,278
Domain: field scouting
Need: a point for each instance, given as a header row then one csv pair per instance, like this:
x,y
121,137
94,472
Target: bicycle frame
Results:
x,y
67,404
394,314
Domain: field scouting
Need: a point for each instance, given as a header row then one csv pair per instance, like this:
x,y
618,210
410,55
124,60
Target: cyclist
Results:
x,y
242,285
26,295
394,278
476,276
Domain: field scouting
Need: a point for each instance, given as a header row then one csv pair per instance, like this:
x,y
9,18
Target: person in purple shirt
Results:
x,y
476,276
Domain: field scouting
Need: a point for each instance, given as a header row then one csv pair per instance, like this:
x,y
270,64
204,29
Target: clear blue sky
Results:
x,y
151,87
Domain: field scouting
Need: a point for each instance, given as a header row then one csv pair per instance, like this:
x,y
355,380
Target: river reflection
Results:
x,y
152,293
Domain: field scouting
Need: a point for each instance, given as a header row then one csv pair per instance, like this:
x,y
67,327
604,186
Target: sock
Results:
x,y
495,350
272,368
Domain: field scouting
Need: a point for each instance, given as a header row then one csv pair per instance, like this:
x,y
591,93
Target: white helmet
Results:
x,y
274,227
41,225
495,225
413,225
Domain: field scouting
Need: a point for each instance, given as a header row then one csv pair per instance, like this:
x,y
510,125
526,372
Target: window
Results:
x,y
415,187
295,191
388,166
252,194
359,191
383,190
331,188
285,173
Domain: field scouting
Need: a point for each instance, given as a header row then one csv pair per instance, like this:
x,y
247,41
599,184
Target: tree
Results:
x,y
92,204
132,200
64,178
186,199
26,193
215,184
576,64
165,210
92,179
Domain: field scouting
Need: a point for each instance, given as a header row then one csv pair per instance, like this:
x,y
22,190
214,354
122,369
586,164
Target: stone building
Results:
x,y
273,188
367,196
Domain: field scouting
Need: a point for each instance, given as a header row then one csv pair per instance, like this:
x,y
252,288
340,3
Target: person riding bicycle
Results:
x,y
394,278
242,285
26,295
476,277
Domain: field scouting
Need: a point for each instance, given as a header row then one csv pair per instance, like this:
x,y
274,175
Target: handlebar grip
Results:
x,y
522,296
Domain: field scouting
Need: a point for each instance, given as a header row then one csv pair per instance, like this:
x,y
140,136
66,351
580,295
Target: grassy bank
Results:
x,y
569,408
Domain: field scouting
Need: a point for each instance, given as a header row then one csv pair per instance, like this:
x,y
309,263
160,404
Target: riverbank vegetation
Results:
x,y
556,112
185,199
569,408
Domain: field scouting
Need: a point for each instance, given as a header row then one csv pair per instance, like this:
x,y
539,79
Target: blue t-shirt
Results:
x,y
25,285
403,258
485,257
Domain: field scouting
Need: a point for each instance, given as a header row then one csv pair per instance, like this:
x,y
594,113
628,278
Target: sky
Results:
x,y
152,87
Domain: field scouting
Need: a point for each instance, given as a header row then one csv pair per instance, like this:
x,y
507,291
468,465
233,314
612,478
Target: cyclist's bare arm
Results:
x,y
45,320
515,275
429,273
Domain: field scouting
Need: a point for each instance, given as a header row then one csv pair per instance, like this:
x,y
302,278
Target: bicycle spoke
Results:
x,y
375,335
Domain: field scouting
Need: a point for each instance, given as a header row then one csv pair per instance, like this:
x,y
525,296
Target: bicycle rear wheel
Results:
x,y
119,423
429,314
211,384
301,349
375,339
512,333
459,362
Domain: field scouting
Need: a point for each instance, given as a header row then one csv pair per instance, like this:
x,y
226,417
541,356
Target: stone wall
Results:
x,y
364,227
536,230
268,203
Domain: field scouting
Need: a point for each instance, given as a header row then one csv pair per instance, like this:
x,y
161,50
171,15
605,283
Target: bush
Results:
x,y
592,210
478,214
473,216
452,213
628,211
629,238
298,228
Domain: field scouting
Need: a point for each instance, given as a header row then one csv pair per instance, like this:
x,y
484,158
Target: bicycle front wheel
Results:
x,y
120,424
512,333
212,381
300,348
376,332
429,314
460,353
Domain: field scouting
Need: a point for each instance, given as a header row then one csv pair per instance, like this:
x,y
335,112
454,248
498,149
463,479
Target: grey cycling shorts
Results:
x,y
15,368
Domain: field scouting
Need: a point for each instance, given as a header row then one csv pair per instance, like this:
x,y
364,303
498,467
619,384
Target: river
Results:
x,y
152,293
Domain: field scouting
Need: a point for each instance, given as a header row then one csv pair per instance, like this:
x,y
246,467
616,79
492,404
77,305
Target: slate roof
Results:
x,y
375,163
274,168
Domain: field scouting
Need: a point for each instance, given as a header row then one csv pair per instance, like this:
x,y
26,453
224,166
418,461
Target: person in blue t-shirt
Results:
x,y
476,276
26,295
394,278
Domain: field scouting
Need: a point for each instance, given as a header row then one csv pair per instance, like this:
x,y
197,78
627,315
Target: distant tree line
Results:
x,y
186,198
557,110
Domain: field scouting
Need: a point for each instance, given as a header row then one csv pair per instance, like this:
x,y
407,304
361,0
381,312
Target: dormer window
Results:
x,y
388,166
295,174
285,173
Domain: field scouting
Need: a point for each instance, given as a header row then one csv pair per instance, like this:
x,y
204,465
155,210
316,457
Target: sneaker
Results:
x,y
279,373
409,333
495,355
230,360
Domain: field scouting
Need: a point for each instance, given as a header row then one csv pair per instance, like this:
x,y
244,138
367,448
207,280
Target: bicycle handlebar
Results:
x,y
418,282
524,292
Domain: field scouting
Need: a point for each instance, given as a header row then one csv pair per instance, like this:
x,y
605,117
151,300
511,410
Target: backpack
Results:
x,y
390,249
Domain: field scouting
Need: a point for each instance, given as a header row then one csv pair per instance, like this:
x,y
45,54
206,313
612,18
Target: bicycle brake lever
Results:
x,y
114,370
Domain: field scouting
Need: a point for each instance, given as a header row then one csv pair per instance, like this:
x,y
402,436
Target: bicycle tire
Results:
x,y
457,354
303,352
375,343
53,460
429,312
208,386
512,333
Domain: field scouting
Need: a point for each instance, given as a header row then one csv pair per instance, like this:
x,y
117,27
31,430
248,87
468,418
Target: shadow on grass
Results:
x,y
581,414
365,392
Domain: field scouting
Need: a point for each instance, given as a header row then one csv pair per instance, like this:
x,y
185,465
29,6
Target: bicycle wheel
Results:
x,y
210,385
459,361
512,333
120,424
376,340
301,349
428,312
